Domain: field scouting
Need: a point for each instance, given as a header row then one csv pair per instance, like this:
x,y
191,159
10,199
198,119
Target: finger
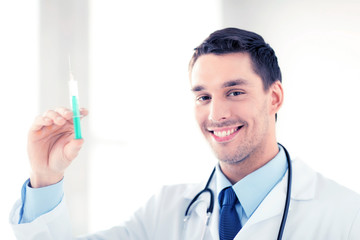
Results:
x,y
40,122
68,114
57,118
84,112
72,149
64,112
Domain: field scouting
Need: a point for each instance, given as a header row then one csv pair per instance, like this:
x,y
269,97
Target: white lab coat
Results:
x,y
320,209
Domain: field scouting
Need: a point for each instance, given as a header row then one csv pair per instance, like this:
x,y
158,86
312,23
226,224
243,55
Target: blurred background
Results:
x,y
131,58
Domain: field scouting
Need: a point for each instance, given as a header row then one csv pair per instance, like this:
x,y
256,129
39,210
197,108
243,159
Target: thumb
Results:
x,y
72,148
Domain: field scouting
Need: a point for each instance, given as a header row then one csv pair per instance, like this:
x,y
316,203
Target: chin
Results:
x,y
229,158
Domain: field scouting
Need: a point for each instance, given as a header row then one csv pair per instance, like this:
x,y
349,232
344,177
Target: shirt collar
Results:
x,y
252,189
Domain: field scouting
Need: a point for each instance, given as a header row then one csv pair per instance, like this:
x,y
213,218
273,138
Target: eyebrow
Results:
x,y
230,83
236,82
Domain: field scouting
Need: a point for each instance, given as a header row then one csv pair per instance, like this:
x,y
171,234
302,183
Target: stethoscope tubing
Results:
x,y
206,189
287,200
288,195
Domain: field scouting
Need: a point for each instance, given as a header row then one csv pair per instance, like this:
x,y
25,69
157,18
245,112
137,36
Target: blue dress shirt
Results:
x,y
252,189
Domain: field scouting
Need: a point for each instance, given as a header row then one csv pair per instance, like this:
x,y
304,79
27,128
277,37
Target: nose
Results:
x,y
219,110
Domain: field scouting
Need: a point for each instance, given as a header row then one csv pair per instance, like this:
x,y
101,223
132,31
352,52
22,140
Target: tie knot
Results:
x,y
227,197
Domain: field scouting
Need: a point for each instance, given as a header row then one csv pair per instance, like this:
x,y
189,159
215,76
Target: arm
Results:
x,y
51,149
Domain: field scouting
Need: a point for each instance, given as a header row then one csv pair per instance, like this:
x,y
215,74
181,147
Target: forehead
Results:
x,y
212,70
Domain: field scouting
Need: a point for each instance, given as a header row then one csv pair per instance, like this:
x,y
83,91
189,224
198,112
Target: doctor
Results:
x,y
236,82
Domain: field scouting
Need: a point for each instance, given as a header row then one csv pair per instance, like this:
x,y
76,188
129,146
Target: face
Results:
x,y
234,112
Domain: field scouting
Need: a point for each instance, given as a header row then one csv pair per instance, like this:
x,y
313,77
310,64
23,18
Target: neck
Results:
x,y
237,171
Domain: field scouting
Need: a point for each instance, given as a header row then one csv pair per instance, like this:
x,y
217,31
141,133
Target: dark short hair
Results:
x,y
234,40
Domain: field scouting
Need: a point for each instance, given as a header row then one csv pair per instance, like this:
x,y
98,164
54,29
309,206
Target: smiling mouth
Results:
x,y
226,134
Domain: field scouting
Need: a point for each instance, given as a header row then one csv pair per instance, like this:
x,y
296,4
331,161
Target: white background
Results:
x,y
141,132
18,98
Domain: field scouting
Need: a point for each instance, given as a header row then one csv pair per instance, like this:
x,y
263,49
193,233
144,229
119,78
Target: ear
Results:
x,y
276,97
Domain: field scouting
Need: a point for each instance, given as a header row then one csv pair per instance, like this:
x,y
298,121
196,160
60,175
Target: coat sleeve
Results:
x,y
52,225
55,225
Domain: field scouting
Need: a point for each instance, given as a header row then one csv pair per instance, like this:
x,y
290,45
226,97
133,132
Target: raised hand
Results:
x,y
51,146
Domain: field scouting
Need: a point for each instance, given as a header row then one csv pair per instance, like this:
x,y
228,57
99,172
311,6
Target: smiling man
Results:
x,y
255,192
236,111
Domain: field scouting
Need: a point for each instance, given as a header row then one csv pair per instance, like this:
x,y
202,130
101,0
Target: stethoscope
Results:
x,y
210,208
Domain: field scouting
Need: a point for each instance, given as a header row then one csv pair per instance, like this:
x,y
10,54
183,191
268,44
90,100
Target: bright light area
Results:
x,y
18,97
141,114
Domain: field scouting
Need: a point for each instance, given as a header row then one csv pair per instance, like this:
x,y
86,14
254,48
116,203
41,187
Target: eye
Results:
x,y
235,93
203,98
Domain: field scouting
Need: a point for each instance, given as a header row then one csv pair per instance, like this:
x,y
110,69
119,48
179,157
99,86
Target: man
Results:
x,y
237,89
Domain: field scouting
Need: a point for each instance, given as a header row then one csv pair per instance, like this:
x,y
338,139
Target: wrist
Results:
x,y
44,180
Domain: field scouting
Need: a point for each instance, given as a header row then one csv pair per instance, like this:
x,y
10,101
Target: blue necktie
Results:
x,y
229,224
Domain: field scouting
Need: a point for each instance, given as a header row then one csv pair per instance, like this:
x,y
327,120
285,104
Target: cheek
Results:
x,y
248,113
251,108
243,110
259,115
200,114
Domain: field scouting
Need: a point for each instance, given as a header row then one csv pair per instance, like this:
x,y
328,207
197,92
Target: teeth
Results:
x,y
224,133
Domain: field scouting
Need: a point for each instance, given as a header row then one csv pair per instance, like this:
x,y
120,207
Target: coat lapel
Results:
x,y
303,188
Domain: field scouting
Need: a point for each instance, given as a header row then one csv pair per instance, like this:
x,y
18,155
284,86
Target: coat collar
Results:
x,y
303,189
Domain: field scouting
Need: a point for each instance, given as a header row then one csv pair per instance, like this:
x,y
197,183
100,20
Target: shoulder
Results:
x,y
327,196
323,187
180,191
325,207
176,196
168,198
330,188
171,200
305,179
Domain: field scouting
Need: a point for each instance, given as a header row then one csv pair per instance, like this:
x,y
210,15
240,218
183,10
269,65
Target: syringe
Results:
x,y
74,101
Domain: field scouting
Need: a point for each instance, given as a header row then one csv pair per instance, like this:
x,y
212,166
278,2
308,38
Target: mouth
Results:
x,y
225,134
